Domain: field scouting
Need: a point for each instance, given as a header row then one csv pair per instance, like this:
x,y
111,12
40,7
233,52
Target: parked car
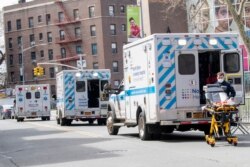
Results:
x,y
5,111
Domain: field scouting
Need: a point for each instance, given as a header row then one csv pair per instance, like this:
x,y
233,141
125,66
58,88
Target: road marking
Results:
x,y
67,129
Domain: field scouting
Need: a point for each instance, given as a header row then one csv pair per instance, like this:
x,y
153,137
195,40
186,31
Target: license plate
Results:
x,y
87,113
198,115
33,113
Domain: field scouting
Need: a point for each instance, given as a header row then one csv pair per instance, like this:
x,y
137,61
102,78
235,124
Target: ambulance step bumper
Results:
x,y
184,122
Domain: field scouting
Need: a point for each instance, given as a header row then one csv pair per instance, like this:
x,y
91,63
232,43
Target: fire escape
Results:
x,y
68,38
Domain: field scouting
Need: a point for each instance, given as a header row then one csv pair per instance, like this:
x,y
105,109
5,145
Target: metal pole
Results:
x,y
141,17
22,60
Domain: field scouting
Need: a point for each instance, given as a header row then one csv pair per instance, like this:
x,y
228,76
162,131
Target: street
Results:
x,y
45,144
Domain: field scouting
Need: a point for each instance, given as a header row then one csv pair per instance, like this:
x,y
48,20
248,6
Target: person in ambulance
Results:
x,y
229,89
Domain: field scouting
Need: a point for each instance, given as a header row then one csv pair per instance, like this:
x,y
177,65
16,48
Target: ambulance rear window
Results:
x,y
80,86
186,64
231,63
28,95
37,95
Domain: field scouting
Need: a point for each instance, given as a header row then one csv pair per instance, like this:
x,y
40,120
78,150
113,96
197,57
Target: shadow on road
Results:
x,y
30,147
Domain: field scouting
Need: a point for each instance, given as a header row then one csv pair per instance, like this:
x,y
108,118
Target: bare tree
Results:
x,y
237,13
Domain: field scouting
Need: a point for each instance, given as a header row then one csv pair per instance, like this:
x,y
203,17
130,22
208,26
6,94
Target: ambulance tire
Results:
x,y
63,121
101,121
143,127
57,121
48,118
112,130
43,118
91,121
68,122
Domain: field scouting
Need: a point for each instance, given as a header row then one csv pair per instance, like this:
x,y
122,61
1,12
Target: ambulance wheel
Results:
x,y
43,118
91,121
62,121
58,121
143,127
68,122
48,118
112,130
101,121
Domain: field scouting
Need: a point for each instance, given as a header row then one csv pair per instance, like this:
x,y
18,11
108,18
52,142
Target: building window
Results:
x,y
31,22
114,47
60,16
40,36
52,72
79,49
64,68
21,78
94,48
48,19
116,83
39,19
19,41
77,32
33,55
12,76
20,58
62,35
76,14
9,25
10,43
91,11
63,52
111,10
49,36
50,53
115,66
11,60
18,24
122,9
41,53
93,30
123,27
113,29
95,65
32,40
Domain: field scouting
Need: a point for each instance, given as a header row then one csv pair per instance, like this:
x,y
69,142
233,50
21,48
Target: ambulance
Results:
x,y
32,101
164,75
80,96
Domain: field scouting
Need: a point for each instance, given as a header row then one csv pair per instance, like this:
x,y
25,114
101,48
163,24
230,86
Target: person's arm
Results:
x,y
231,90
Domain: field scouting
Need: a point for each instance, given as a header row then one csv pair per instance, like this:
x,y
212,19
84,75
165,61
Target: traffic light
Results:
x,y
41,71
35,71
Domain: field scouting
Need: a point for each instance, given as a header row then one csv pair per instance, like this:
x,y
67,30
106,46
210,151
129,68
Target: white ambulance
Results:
x,y
80,96
32,101
164,75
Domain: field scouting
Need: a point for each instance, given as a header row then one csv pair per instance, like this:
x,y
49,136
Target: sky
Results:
x,y
9,2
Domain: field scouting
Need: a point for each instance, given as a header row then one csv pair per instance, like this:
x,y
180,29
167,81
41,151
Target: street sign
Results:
x,y
81,63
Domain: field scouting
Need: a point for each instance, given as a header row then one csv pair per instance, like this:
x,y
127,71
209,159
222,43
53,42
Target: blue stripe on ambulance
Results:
x,y
69,91
140,91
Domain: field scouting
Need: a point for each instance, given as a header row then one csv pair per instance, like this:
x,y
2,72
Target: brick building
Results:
x,y
58,31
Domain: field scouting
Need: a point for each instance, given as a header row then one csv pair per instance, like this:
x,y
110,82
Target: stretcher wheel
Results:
x,y
212,145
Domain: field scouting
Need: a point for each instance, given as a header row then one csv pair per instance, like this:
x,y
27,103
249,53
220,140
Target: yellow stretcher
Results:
x,y
221,119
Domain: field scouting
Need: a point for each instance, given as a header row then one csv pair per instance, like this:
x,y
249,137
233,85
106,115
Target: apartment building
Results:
x,y
62,31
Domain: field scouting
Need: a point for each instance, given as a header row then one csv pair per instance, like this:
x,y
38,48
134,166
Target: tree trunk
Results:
x,y
240,24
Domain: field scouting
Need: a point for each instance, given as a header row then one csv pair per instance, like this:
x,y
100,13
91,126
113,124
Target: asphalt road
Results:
x,y
46,144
